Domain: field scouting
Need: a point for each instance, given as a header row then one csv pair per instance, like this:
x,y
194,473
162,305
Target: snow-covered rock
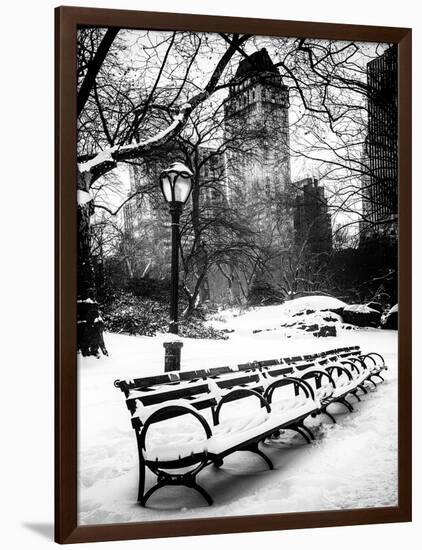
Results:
x,y
278,317
320,324
313,303
361,315
375,305
83,197
391,319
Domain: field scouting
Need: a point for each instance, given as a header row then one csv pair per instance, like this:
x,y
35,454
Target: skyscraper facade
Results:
x,y
257,131
380,183
312,220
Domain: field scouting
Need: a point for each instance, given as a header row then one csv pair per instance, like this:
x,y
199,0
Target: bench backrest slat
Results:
x,y
304,366
279,371
248,366
269,362
215,371
231,382
204,404
191,375
166,393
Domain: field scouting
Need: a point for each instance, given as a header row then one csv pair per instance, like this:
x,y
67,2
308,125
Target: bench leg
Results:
x,y
308,431
362,387
344,402
202,492
355,393
253,448
141,486
330,416
371,381
307,436
302,433
182,481
151,492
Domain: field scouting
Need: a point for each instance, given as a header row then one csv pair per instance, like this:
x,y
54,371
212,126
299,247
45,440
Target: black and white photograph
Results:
x,y
237,264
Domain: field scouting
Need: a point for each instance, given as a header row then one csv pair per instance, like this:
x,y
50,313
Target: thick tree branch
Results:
x,y
94,67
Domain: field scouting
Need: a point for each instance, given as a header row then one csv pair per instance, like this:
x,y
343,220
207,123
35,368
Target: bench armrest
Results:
x,y
285,381
371,357
174,408
353,365
339,369
315,372
237,394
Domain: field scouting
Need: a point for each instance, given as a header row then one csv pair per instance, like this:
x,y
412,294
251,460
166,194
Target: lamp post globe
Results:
x,y
176,184
176,187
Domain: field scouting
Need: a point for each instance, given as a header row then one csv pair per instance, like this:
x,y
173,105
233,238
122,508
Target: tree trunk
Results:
x,y
193,297
191,302
94,67
90,325
202,285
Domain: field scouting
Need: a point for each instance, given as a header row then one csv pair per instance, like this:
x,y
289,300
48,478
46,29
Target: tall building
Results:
x,y
312,221
380,183
257,111
257,130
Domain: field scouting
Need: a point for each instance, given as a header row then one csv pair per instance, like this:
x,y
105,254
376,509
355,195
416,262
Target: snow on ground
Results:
x,y
353,464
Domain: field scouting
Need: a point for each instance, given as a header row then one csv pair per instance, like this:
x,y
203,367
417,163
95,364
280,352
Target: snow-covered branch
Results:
x,y
102,162
133,150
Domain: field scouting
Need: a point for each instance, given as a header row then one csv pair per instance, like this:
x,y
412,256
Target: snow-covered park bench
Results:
x,y
334,375
186,421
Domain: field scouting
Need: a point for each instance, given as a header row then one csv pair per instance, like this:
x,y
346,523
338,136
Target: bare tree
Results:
x,y
122,107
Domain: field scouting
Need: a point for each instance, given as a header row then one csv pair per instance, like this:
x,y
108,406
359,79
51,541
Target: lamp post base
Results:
x,y
172,355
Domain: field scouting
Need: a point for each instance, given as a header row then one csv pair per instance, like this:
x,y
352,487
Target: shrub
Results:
x,y
138,315
375,305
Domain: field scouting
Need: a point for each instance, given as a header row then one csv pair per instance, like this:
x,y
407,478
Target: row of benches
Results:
x,y
286,391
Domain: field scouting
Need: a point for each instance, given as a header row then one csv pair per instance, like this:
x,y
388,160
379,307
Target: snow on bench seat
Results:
x,y
234,432
183,446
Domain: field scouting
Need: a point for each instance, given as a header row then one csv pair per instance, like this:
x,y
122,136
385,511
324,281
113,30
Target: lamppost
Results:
x,y
176,186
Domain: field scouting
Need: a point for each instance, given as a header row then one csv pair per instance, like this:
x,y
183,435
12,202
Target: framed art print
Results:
x,y
233,298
